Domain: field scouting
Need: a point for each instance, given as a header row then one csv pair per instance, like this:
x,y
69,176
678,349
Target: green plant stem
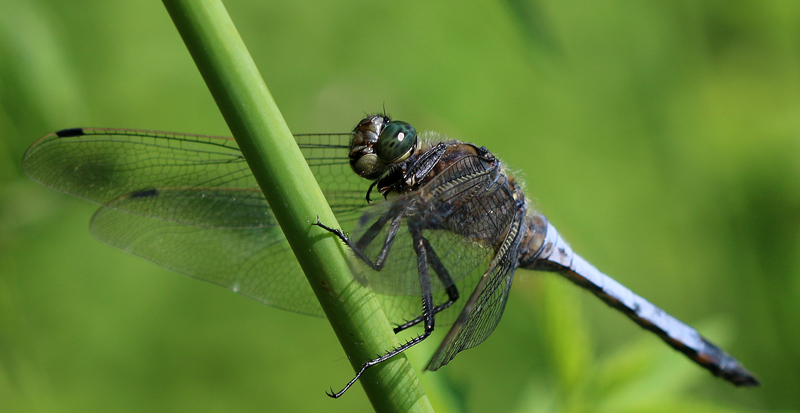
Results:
x,y
296,200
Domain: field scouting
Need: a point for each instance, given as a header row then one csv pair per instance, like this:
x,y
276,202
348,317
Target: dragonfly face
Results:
x,y
379,144
452,233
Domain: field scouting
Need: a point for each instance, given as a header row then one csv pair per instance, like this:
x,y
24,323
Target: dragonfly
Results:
x,y
439,245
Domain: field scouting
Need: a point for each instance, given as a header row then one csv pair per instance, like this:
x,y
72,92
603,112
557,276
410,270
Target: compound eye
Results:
x,y
396,142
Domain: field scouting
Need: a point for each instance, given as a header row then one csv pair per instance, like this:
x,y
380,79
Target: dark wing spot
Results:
x,y
67,133
145,193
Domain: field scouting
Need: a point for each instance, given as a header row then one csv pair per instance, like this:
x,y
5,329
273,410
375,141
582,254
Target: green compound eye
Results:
x,y
396,142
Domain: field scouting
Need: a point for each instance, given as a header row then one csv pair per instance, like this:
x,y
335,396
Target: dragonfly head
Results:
x,y
379,142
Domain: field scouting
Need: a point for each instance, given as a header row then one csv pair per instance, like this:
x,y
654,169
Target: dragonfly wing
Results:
x,y
101,165
253,261
190,203
484,307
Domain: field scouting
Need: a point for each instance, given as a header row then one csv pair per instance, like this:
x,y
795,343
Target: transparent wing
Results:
x,y
484,308
190,203
465,213
253,261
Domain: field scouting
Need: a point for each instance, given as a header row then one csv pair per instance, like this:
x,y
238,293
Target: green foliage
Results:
x,y
661,138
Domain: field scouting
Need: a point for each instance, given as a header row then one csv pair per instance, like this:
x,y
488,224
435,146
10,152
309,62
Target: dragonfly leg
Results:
x,y
369,236
427,311
444,277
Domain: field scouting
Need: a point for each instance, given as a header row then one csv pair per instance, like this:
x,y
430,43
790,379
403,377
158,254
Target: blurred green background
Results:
x,y
662,138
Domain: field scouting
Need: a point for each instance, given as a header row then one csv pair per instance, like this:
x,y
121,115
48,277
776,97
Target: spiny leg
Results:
x,y
369,236
444,277
427,311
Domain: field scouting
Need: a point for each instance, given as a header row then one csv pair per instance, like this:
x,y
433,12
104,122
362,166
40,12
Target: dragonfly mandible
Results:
x,y
439,245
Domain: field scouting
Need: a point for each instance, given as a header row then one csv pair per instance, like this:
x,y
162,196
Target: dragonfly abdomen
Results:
x,y
543,249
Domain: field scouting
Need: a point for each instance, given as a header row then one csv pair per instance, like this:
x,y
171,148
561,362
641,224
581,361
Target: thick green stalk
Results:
x,y
296,200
